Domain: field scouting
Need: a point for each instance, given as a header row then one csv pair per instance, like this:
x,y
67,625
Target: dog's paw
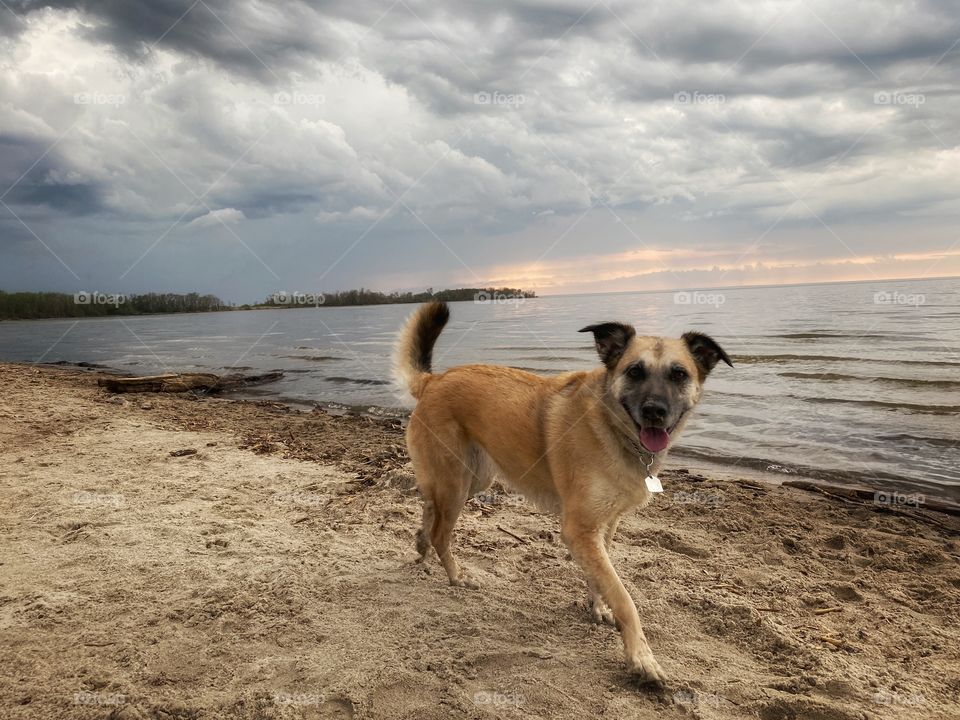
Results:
x,y
465,581
647,670
600,612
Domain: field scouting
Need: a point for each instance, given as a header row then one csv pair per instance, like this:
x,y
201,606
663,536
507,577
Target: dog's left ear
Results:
x,y
705,350
611,339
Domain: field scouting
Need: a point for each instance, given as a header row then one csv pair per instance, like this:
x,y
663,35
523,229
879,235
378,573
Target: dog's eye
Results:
x,y
636,372
678,374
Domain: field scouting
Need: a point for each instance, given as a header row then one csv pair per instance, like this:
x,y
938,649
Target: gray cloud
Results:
x,y
31,176
457,124
261,40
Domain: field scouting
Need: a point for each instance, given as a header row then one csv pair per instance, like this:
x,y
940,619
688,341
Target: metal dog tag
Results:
x,y
653,484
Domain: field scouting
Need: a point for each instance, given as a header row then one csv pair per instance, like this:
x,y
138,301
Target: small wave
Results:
x,y
79,364
914,440
519,347
312,358
816,335
912,407
554,358
903,382
760,359
845,336
358,381
796,470
537,371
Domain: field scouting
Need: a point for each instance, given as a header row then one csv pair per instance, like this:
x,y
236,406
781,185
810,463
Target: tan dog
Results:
x,y
580,444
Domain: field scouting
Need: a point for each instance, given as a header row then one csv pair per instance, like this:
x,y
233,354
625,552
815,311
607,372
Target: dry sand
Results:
x,y
271,575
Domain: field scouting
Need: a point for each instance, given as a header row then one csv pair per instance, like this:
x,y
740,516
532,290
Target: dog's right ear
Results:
x,y
611,339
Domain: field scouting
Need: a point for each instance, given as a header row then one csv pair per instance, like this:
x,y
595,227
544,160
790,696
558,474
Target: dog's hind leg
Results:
x,y
447,511
600,612
609,532
423,534
444,476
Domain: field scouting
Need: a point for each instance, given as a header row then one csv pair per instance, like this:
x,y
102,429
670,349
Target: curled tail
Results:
x,y
414,351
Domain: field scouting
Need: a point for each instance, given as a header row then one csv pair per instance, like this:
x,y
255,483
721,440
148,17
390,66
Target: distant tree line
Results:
x,y
34,305
364,296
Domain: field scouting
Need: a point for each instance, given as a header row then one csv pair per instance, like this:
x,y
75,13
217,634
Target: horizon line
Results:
x,y
756,286
538,294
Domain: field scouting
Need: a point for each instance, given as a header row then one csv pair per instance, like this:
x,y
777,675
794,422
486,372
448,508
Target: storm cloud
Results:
x,y
399,145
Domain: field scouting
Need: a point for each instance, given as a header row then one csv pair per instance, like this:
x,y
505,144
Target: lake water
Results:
x,y
856,382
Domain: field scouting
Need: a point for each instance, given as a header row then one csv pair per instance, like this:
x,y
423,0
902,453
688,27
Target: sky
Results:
x,y
243,148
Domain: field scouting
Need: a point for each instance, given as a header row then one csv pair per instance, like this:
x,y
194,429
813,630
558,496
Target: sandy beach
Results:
x,y
166,556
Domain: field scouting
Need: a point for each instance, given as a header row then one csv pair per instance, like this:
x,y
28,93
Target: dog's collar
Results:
x,y
651,481
642,452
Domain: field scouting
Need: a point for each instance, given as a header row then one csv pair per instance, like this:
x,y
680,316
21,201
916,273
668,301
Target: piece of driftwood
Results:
x,y
898,502
513,534
185,382
824,611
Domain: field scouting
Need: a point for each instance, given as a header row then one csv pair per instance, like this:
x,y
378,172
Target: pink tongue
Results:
x,y
654,439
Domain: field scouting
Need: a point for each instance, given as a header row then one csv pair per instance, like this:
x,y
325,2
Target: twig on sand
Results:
x,y
824,611
836,643
513,534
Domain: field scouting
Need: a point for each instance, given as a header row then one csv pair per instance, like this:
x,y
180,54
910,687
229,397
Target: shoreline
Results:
x,y
755,469
169,555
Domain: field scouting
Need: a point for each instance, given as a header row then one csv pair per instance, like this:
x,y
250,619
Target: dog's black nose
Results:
x,y
653,411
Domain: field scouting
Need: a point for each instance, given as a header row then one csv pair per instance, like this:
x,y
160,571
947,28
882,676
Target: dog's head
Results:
x,y
654,382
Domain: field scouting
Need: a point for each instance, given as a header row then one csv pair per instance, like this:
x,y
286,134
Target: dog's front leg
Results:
x,y
586,544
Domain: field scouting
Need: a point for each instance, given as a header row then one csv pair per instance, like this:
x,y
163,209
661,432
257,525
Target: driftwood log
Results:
x,y
899,502
185,382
